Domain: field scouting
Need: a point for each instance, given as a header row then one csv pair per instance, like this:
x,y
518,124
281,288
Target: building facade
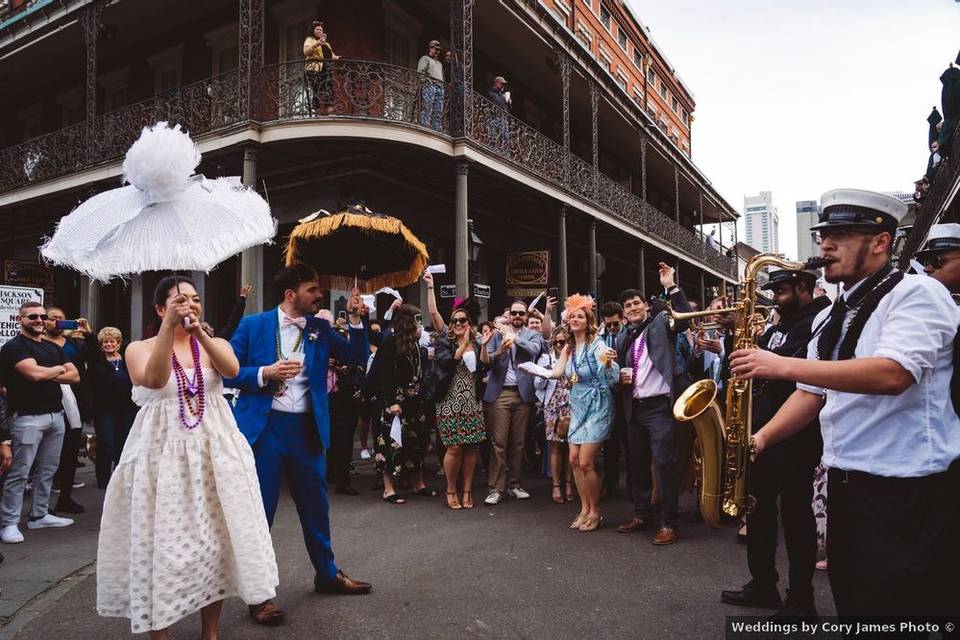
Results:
x,y
575,170
808,214
762,223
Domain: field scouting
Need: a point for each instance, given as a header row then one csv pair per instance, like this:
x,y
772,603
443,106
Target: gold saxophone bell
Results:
x,y
723,437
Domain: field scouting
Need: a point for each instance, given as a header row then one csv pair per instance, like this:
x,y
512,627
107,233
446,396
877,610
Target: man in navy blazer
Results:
x,y
282,411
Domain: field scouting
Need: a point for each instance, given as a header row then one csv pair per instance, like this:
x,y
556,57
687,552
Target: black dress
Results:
x,y
399,378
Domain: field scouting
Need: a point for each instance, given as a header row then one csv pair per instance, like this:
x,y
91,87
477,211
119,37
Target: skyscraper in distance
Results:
x,y
808,214
762,222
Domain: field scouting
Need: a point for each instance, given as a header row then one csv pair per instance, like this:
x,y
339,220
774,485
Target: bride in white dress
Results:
x,y
183,525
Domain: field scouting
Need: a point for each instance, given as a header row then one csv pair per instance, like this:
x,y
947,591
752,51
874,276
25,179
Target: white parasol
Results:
x,y
165,219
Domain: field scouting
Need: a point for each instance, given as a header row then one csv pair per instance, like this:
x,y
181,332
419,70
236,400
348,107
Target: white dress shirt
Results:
x,y
296,397
647,381
915,433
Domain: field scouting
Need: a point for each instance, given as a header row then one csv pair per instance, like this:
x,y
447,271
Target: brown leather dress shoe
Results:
x,y
266,613
341,584
666,535
634,525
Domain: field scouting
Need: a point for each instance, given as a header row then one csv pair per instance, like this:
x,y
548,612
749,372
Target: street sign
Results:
x,y
481,291
10,300
448,291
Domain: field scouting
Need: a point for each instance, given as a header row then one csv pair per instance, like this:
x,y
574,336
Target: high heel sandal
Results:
x,y
557,496
467,501
591,523
569,497
453,503
579,520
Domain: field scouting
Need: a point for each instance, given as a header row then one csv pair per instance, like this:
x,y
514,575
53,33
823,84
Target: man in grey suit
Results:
x,y
648,347
509,399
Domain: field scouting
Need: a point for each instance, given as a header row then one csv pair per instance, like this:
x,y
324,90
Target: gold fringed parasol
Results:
x,y
357,247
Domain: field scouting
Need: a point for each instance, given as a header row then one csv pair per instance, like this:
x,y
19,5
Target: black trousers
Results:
x,y
612,448
785,472
344,412
67,470
651,433
893,543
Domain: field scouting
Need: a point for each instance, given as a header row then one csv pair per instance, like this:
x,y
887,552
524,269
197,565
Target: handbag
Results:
x,y
562,427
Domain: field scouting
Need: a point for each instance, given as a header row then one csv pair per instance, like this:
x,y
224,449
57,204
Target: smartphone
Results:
x,y
342,315
553,292
67,325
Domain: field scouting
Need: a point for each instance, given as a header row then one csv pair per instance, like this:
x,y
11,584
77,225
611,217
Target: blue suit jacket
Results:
x,y
254,342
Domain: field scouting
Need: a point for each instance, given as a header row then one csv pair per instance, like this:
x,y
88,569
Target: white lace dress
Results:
x,y
183,522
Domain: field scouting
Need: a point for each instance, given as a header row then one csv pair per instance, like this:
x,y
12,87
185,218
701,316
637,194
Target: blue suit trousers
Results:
x,y
289,445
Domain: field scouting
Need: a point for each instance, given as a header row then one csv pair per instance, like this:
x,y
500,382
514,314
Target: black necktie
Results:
x,y
830,336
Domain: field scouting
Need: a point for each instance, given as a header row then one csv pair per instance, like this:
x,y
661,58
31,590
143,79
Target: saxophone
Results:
x,y
723,440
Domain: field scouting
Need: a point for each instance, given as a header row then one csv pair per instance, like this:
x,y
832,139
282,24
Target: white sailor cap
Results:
x,y
859,209
943,237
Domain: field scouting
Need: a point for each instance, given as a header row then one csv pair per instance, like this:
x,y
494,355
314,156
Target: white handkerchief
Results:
x,y
437,268
470,359
536,301
393,292
535,369
396,432
369,300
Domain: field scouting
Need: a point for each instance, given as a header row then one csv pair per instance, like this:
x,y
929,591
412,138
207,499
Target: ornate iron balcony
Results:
x,y
348,89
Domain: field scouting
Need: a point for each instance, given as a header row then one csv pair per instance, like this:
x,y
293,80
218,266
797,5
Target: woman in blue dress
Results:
x,y
592,369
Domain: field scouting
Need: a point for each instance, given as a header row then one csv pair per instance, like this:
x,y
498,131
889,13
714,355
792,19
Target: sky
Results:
x,y
799,97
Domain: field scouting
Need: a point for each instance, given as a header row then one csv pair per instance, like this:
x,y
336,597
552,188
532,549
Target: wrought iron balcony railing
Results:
x,y
350,89
948,173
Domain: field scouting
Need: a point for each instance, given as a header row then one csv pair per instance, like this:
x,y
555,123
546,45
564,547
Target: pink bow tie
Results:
x,y
300,322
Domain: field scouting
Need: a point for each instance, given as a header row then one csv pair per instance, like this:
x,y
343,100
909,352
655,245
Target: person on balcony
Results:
x,y
431,95
317,51
498,126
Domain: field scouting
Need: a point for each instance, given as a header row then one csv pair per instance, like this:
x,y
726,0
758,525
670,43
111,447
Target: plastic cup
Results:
x,y
297,356
626,374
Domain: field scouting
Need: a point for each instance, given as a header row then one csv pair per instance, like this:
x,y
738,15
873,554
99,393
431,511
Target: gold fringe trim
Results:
x,y
322,227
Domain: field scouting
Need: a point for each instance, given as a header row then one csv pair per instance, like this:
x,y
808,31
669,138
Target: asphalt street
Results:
x,y
510,571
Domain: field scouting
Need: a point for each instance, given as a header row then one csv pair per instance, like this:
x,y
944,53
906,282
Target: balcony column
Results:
x,y
703,291
90,300
562,282
641,273
643,168
461,232
136,308
251,260
593,281
700,208
565,84
676,191
595,135
90,21
461,39
251,57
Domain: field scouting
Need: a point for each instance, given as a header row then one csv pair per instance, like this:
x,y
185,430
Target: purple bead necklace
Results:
x,y
190,393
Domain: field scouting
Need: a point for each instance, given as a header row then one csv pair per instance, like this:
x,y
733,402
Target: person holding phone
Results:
x,y
186,485
77,400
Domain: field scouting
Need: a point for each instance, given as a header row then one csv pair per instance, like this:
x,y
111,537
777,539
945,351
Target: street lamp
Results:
x,y
475,243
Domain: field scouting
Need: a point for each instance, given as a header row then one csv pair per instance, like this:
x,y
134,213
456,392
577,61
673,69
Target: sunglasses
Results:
x,y
35,316
936,260
559,343
518,314
460,321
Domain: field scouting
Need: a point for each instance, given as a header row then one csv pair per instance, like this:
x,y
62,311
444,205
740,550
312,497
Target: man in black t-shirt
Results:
x,y
33,370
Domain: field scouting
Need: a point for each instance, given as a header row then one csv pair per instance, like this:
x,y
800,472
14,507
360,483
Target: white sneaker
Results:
x,y
49,521
518,493
364,454
494,498
79,484
10,534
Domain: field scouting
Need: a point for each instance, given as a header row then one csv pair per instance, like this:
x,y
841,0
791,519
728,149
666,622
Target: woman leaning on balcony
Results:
x,y
317,51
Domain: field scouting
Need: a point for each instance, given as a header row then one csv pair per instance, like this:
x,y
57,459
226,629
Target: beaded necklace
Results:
x,y
191,397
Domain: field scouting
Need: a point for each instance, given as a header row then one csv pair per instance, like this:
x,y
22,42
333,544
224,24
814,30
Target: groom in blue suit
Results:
x,y
282,410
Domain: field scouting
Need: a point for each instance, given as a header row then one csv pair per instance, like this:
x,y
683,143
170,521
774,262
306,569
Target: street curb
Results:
x,y
37,605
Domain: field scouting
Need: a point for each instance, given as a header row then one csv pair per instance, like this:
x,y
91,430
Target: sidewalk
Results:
x,y
47,556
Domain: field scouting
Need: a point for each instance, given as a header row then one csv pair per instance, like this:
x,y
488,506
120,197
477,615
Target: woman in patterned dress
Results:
x,y
556,405
460,358
401,366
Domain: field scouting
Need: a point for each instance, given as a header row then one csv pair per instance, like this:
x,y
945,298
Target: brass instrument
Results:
x,y
724,439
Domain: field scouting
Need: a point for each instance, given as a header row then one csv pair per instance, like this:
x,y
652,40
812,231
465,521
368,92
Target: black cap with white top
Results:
x,y
942,237
860,210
